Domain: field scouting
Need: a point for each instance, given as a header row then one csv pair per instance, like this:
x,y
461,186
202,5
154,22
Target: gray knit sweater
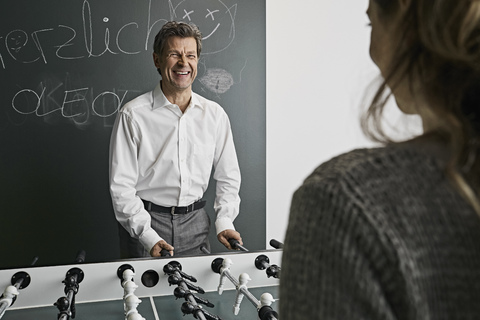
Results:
x,y
380,234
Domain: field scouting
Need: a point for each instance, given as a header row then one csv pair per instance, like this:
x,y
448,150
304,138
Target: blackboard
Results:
x,y
66,67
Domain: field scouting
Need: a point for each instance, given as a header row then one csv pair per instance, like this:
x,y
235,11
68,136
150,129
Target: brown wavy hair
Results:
x,y
178,29
439,48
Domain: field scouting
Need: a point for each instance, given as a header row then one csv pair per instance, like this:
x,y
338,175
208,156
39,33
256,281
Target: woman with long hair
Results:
x,y
394,232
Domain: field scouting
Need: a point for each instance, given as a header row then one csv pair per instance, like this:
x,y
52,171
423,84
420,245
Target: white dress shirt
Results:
x,y
159,154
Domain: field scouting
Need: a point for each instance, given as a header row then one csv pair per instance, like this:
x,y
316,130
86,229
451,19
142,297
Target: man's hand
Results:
x,y
229,234
159,246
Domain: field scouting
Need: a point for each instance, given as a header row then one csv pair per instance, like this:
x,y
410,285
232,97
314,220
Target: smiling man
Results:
x,y
163,147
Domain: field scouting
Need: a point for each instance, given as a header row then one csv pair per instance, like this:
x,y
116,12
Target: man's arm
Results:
x,y
128,207
227,176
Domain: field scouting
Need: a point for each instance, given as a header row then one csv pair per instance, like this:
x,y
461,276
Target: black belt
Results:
x,y
150,206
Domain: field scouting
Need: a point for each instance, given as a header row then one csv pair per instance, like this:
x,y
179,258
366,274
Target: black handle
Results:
x,y
276,244
236,244
165,253
80,256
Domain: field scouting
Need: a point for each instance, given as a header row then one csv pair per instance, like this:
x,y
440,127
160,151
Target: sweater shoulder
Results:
x,y
385,164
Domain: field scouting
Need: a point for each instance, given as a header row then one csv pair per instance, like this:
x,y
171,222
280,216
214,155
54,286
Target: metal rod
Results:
x,y
3,307
18,283
244,290
191,298
70,295
241,247
5,304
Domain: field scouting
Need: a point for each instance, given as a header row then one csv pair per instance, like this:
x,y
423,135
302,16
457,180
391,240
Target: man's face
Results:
x,y
177,64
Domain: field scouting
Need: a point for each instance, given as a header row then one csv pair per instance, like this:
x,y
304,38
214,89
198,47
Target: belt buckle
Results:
x,y
172,211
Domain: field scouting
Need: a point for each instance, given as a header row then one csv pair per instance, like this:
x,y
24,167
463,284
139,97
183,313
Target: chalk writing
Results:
x,y
118,35
1,58
75,102
150,24
67,44
90,34
19,47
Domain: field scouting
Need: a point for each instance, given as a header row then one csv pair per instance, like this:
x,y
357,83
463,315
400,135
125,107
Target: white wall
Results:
x,y
318,71
318,67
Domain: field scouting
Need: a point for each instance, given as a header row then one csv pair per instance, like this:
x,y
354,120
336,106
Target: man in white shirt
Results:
x,y
163,147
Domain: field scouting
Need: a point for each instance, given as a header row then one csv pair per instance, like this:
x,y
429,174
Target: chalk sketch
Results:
x,y
217,80
211,21
15,40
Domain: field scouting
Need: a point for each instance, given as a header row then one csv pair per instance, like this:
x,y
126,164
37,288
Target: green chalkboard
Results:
x,y
66,67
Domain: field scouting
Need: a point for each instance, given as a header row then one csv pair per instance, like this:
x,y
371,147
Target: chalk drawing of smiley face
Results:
x,y
214,18
16,40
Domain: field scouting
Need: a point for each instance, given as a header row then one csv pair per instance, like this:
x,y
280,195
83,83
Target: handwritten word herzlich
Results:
x,y
21,50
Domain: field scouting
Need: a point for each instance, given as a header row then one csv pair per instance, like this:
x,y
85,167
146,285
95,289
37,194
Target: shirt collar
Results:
x,y
159,99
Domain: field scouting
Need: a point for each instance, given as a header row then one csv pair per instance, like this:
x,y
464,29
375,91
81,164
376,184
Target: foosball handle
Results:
x,y
80,258
276,244
165,253
267,313
235,244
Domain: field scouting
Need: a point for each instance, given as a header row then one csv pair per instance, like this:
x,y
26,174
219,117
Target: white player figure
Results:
x,y
135,316
242,283
129,288
127,275
266,299
8,295
131,304
225,268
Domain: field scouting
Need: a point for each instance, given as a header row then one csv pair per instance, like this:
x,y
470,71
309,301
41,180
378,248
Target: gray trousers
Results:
x,y
187,233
